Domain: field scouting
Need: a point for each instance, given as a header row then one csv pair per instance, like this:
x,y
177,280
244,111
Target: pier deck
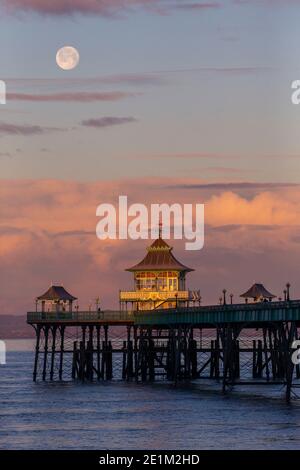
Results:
x,y
204,316
78,318
174,344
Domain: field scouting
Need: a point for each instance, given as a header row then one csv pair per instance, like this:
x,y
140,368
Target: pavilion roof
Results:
x,y
257,291
56,293
159,257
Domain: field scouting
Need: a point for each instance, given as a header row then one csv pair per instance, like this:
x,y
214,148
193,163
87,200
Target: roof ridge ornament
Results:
x,y
160,227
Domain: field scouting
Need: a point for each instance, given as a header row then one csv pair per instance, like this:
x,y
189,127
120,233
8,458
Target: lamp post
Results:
x,y
224,296
231,297
220,300
284,293
288,285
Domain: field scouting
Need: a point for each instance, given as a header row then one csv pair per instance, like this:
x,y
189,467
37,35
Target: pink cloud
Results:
x,y
194,6
47,233
82,96
101,7
25,129
193,155
136,79
67,7
107,121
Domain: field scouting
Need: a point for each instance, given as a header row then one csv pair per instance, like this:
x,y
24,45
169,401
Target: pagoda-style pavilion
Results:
x,y
159,280
55,299
258,293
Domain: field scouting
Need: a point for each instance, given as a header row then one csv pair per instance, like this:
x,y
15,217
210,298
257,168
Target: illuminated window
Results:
x,y
161,281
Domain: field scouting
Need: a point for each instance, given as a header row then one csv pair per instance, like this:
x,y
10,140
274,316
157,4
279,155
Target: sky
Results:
x,y
172,101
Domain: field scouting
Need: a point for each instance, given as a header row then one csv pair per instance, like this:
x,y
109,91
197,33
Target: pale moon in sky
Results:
x,y
67,58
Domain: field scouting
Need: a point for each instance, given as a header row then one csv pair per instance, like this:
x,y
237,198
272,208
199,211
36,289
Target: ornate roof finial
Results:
x,y
159,227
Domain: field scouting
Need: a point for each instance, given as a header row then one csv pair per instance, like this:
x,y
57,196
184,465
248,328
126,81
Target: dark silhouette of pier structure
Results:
x,y
178,344
163,335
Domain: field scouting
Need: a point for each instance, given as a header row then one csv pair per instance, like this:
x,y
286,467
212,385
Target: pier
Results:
x,y
162,332
234,345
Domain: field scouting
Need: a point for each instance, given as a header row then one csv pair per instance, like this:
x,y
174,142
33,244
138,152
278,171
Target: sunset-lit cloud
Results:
x,y
47,233
269,2
107,121
197,6
103,7
25,129
237,186
81,96
189,155
125,79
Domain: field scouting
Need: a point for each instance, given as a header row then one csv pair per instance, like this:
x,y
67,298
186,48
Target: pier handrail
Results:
x,y
229,313
210,314
223,308
81,316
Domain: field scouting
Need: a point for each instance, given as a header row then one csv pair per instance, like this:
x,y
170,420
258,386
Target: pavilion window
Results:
x,y
145,281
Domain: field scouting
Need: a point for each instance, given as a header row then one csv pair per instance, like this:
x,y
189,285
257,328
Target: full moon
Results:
x,y
67,58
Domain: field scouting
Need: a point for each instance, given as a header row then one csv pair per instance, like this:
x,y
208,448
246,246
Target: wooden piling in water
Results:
x,y
53,351
136,372
46,332
151,359
171,352
103,360
37,350
98,332
81,374
109,363
212,359
61,355
193,358
74,361
129,369
124,360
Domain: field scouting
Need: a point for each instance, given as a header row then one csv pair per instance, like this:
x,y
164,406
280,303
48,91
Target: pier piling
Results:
x,y
175,351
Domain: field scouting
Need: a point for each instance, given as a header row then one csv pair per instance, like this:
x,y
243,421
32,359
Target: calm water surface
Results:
x,y
128,416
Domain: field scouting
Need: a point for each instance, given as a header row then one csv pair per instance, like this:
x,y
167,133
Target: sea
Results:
x,y
126,416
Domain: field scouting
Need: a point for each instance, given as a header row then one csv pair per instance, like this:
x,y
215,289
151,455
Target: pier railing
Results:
x,y
109,316
216,314
211,314
137,296
168,343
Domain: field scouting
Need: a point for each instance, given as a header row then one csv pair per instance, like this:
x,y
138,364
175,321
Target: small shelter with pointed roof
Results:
x,y
258,293
159,280
56,299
